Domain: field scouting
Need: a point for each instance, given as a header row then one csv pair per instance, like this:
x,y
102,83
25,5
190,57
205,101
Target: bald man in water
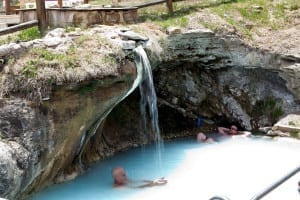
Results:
x,y
119,176
120,179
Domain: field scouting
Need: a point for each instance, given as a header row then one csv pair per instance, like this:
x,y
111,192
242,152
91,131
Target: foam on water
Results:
x,y
237,168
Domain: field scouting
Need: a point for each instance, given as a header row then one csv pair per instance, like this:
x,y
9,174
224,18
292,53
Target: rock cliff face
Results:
x,y
46,112
212,76
49,104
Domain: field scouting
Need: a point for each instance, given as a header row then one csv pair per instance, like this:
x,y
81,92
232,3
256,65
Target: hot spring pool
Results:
x,y
237,168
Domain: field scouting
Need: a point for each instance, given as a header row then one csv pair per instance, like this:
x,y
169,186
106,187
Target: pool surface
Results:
x,y
236,167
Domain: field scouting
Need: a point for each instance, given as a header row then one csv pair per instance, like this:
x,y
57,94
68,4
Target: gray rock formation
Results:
x,y
45,112
220,76
54,89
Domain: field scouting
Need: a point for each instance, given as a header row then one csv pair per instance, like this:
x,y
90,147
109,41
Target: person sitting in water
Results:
x,y
201,137
119,176
120,179
226,131
232,131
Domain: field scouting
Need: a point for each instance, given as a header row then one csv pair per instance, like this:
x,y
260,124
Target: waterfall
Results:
x,y
148,98
86,137
148,95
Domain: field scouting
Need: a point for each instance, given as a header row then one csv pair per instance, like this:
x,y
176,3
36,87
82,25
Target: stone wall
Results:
x,y
83,17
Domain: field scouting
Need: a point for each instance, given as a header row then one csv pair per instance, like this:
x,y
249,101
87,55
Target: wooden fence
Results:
x,y
18,27
41,21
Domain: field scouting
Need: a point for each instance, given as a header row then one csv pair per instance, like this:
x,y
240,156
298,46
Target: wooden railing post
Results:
x,y
7,7
41,15
60,3
170,5
18,27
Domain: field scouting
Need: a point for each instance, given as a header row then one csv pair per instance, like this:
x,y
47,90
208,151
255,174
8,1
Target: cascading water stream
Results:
x,y
148,97
94,128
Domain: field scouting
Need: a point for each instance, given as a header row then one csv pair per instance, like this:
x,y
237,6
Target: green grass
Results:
x,y
30,68
261,13
181,9
294,134
178,21
75,56
268,107
2,135
294,6
40,57
107,59
82,39
291,123
70,59
29,34
44,54
70,28
24,35
161,16
238,13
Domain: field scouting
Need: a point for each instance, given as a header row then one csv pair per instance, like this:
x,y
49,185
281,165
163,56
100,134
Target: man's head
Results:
x,y
119,176
233,130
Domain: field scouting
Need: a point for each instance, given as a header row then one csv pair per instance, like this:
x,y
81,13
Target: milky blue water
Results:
x,y
237,168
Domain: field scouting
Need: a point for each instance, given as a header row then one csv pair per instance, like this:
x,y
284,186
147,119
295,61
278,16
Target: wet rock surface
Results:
x,y
42,120
196,73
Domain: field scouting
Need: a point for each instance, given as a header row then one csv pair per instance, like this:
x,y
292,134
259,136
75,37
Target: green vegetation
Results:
x,y
43,57
268,107
2,135
70,29
30,68
82,39
11,60
291,123
109,60
78,54
294,6
70,59
294,133
44,54
244,14
161,16
29,34
86,89
165,20
24,35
